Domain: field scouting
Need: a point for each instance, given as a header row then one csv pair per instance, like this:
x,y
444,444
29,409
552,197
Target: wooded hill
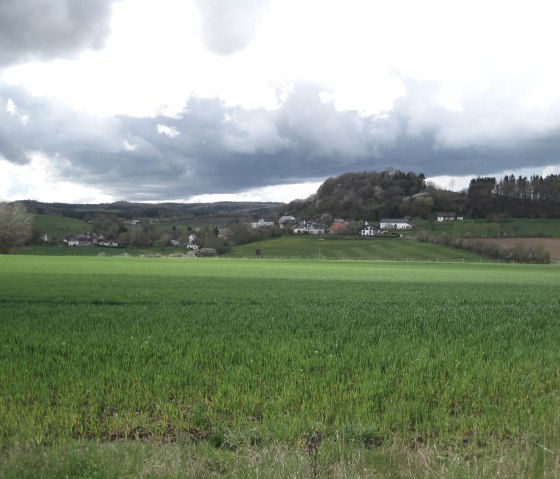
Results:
x,y
375,195
127,210
393,193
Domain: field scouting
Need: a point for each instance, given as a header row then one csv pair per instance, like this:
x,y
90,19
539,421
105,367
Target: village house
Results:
x,y
395,224
317,229
369,230
261,224
311,228
286,221
339,226
86,239
448,216
301,228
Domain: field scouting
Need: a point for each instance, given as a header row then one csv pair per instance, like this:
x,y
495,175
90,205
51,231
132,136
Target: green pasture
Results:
x,y
228,365
60,226
374,249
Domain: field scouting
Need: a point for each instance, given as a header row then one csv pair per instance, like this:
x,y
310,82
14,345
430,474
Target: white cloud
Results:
x,y
278,193
37,181
169,131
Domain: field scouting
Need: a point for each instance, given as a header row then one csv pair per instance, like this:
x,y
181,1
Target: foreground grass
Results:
x,y
335,459
230,364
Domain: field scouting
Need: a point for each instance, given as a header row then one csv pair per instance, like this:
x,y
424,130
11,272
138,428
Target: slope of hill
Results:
x,y
374,195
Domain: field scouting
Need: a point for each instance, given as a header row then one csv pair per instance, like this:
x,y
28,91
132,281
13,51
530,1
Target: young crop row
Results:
x,y
266,352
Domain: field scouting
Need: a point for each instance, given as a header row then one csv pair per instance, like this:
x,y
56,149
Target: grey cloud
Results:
x,y
221,149
47,29
229,26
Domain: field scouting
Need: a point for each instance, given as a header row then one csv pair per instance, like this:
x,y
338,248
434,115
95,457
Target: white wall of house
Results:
x,y
396,225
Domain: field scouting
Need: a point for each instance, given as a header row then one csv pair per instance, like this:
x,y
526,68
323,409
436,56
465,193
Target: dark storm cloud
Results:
x,y
213,148
47,29
229,26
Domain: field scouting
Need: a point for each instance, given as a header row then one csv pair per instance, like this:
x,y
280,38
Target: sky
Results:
x,y
262,100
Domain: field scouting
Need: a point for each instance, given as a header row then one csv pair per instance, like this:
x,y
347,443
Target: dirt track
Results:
x,y
552,245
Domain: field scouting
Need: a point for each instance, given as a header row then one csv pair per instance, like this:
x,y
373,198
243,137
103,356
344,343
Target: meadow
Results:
x,y
372,249
174,367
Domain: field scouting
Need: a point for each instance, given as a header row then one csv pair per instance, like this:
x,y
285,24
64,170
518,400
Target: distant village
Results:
x,y
288,224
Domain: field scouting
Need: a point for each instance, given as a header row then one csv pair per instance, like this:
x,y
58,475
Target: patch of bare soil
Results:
x,y
552,245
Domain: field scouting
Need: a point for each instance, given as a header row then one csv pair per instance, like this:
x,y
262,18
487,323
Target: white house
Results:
x,y
316,229
261,223
369,230
312,228
301,228
395,223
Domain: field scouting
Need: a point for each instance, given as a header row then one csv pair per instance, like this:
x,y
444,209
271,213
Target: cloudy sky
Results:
x,y
200,100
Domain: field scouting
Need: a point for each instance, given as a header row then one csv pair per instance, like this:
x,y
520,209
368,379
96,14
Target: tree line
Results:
x,y
519,197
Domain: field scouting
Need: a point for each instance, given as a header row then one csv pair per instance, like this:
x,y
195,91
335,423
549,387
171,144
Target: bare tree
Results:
x,y
15,225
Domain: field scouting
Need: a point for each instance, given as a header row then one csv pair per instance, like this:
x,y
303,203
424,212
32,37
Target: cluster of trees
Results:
x,y
372,195
15,226
516,197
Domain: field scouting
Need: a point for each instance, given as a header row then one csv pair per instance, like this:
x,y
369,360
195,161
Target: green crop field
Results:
x,y
374,249
173,367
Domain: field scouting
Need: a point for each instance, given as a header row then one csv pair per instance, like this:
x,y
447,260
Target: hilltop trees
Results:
x,y
517,197
15,225
372,195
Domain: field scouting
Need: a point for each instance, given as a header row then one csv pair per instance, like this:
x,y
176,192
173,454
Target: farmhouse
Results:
x,y
86,239
317,229
445,216
301,228
369,230
395,223
338,226
448,216
261,224
311,228
286,221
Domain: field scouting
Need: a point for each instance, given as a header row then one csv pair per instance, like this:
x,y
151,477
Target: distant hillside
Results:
x,y
128,210
374,195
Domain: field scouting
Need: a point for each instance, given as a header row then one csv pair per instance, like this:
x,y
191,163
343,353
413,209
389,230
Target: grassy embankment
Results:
x,y
157,367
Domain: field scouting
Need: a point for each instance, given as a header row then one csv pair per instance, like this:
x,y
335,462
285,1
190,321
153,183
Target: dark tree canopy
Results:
x,y
516,197
367,195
